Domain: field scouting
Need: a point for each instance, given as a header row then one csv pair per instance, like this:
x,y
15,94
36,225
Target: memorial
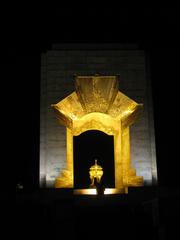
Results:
x,y
92,90
97,104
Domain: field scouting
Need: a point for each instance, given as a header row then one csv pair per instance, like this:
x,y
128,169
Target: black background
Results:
x,y
29,31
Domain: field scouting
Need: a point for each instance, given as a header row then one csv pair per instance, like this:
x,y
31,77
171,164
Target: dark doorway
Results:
x,y
89,146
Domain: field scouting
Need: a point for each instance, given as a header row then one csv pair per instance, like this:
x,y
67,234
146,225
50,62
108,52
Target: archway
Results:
x,y
98,105
88,146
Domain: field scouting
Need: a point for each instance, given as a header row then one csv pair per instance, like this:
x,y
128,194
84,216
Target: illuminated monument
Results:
x,y
97,104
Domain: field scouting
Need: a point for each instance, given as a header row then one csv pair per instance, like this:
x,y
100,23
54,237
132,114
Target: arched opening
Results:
x,y
88,146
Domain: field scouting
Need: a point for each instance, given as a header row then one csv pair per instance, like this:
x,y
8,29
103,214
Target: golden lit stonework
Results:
x,y
97,104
